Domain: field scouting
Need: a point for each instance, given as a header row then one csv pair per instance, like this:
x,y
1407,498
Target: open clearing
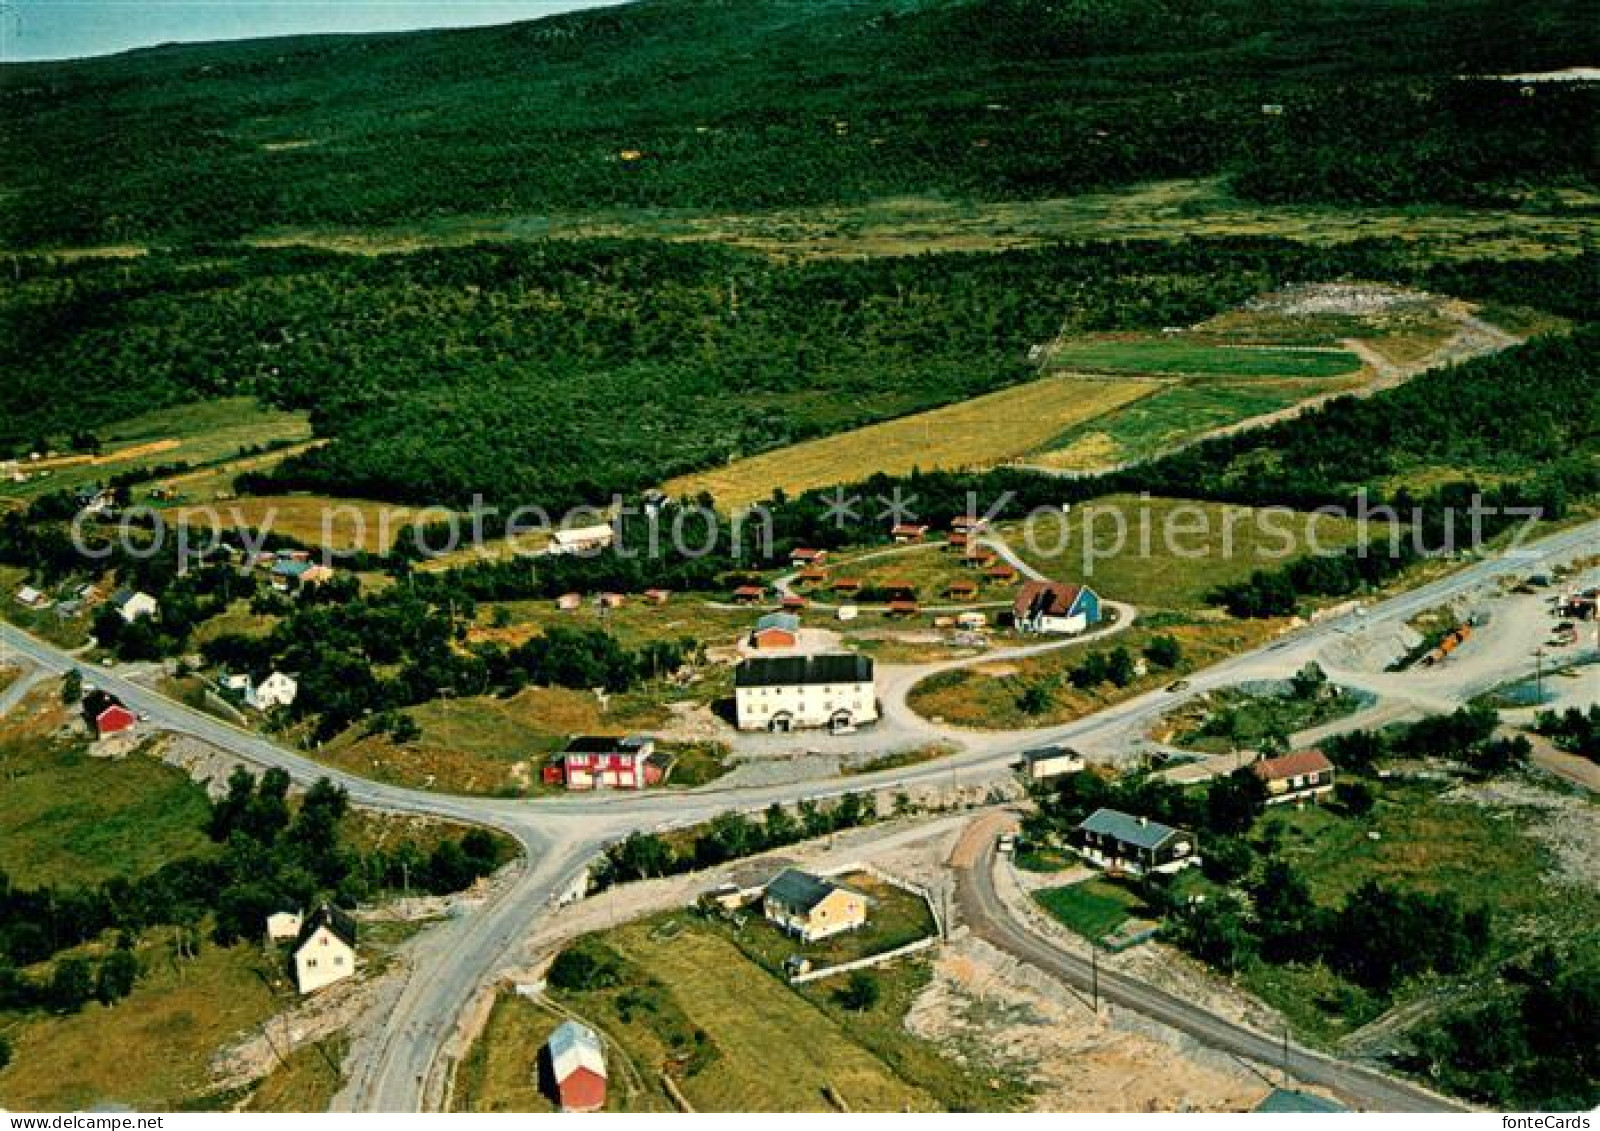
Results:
x,y
1160,553
911,225
211,432
319,521
976,433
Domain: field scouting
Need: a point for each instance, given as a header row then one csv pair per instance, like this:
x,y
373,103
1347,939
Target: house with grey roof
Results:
x,y
812,907
1122,842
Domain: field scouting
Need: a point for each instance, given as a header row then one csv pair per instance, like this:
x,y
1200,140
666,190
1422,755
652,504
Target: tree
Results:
x,y
1356,797
1035,699
118,972
72,687
586,965
861,992
71,985
1235,801
5,1051
1309,681
1164,651
1227,859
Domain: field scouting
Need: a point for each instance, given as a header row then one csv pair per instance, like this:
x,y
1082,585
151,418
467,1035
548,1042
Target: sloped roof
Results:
x,y
1128,829
97,703
779,671
1046,598
329,916
788,622
1282,1101
573,1046
1295,765
799,891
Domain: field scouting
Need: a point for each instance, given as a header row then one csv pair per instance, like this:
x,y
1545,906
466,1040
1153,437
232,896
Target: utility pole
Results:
x,y
1094,976
1538,674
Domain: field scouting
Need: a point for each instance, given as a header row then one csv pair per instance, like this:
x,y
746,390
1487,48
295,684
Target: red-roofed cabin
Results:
x,y
749,594
962,590
902,608
967,524
802,556
1296,777
908,532
958,541
1001,572
792,602
900,586
813,575
656,596
846,584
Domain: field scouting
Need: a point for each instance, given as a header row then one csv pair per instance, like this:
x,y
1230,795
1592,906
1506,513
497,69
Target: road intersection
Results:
x,y
561,836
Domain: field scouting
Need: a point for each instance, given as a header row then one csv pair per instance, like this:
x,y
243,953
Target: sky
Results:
x,y
70,29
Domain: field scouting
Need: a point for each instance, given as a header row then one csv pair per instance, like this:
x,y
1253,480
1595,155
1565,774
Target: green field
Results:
x,y
1167,418
1175,354
73,820
1160,553
1094,909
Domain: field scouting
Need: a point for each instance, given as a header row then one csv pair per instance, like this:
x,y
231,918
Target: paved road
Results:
x,y
986,914
561,835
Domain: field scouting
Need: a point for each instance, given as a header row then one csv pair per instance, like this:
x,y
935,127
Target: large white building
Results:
x,y
783,693
582,539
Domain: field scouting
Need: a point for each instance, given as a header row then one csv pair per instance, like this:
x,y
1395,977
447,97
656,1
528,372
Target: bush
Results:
x,y
1356,797
861,992
584,966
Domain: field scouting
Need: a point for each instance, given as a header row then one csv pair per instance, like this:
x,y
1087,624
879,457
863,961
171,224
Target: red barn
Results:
x,y
577,1067
106,715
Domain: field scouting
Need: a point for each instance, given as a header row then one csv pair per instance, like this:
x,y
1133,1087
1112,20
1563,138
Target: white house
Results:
x,y
783,693
582,539
134,605
325,950
277,690
1044,762
32,598
284,926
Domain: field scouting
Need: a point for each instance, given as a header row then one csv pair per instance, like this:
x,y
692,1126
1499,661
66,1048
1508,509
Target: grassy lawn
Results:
x,y
1094,908
986,696
687,979
1043,858
1160,553
635,624
928,570
894,918
73,820
976,433
490,746
152,1050
1188,354
235,620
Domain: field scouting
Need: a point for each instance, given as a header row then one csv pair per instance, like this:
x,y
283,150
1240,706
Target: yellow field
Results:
x,y
976,433
321,521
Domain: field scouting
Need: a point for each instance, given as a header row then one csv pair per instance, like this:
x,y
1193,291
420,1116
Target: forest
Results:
x,y
561,373
768,103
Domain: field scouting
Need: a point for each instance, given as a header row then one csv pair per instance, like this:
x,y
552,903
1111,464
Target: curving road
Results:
x,y
399,1069
987,915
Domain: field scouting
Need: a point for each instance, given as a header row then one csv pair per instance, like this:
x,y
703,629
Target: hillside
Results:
x,y
754,104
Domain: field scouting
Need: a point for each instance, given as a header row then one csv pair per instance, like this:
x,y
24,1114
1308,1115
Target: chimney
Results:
x,y
1144,820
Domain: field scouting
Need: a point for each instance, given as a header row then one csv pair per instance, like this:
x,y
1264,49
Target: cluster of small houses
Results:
x,y
288,571
1136,845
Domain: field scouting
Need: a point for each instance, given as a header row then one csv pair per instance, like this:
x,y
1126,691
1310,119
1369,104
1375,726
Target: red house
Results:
x,y
606,762
802,556
749,594
106,715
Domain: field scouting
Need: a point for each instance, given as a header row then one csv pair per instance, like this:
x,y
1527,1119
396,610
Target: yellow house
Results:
x,y
812,907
